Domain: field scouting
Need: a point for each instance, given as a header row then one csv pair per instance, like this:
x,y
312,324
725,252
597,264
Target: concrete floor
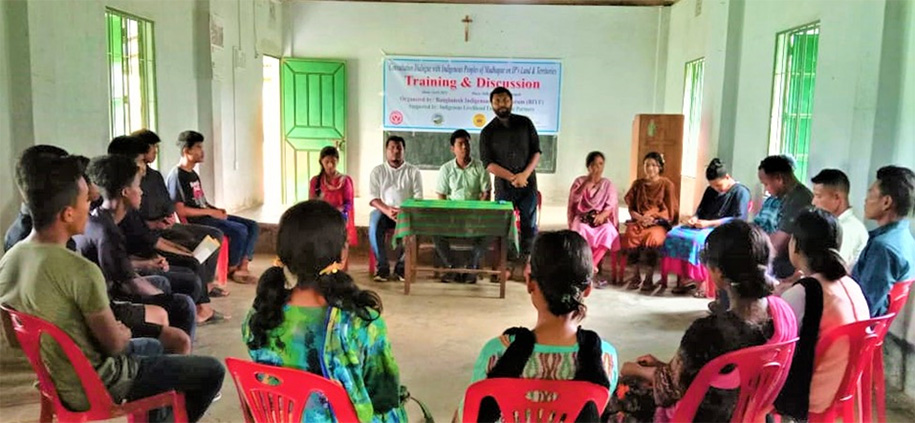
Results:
x,y
436,333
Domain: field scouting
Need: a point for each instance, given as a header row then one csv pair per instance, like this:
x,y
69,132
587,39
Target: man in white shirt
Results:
x,y
390,184
830,193
463,179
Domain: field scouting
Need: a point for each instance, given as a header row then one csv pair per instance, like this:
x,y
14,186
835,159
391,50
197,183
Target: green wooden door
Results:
x,y
313,116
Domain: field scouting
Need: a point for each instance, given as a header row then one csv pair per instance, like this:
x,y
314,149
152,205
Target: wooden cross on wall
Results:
x,y
467,21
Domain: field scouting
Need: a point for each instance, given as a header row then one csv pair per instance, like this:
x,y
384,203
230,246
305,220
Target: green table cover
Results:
x,y
457,219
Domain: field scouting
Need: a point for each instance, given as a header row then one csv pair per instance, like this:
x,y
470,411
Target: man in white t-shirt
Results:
x,y
390,184
830,193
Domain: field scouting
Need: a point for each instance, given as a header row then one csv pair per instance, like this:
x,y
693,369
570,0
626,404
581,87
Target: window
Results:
x,y
131,73
792,94
692,111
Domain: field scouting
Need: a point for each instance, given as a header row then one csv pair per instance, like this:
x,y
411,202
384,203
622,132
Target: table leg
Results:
x,y
409,262
503,258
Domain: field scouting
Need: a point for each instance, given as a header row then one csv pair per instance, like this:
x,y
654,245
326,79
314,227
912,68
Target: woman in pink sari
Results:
x,y
593,210
336,189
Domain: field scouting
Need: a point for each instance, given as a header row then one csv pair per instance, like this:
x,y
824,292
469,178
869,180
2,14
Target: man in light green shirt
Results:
x,y
462,179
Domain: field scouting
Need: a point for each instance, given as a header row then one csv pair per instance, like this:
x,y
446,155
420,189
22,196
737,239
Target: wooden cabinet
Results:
x,y
661,133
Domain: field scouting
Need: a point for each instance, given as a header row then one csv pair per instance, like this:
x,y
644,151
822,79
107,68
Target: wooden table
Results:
x,y
455,219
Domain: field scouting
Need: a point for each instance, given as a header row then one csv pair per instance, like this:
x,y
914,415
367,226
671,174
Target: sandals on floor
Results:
x,y
683,289
218,292
244,279
217,317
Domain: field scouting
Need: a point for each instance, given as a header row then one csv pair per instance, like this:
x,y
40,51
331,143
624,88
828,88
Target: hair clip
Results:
x,y
291,279
331,268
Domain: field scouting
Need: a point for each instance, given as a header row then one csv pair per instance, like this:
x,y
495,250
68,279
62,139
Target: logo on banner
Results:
x,y
396,118
479,120
438,119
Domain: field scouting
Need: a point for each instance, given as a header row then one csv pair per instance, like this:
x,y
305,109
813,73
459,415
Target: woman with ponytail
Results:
x,y
825,299
737,256
724,199
309,314
557,348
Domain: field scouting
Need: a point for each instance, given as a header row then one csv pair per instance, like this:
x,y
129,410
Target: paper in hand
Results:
x,y
205,249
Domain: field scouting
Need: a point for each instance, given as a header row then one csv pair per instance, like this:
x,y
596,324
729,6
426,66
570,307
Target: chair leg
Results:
x,y
621,273
47,410
865,394
848,411
179,409
880,385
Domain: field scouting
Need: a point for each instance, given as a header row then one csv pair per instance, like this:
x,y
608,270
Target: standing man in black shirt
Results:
x,y
510,150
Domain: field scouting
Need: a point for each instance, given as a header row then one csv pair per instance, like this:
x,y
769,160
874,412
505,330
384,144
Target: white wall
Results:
x,y
609,58
844,105
7,187
60,87
690,37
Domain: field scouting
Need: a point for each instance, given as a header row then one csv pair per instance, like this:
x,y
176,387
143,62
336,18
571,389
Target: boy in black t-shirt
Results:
x,y
186,192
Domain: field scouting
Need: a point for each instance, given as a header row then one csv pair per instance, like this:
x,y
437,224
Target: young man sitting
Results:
x,y
42,278
154,255
462,179
889,255
830,193
158,211
103,243
147,322
191,204
390,184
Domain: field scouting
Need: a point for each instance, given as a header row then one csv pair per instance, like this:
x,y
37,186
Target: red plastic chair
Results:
x,y
222,263
283,398
899,294
563,399
760,373
29,330
864,338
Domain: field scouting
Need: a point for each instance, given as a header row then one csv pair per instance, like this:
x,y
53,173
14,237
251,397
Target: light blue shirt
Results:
x,y
888,257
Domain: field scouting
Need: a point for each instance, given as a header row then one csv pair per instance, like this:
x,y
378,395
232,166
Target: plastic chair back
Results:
x,y
759,372
898,296
271,394
863,338
557,400
875,376
29,330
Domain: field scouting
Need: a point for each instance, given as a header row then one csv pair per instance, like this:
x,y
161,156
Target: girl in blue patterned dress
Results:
x,y
309,314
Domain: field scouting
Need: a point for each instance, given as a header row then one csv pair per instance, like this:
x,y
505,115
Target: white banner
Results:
x,y
444,94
